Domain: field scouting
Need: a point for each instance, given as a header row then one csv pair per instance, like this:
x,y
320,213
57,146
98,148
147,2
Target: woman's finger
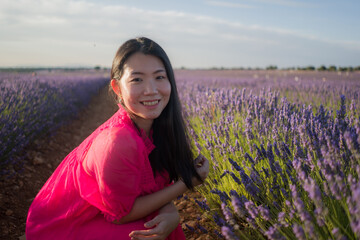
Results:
x,y
153,222
147,238
138,233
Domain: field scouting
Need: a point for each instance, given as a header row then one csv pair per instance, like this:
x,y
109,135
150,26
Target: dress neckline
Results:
x,y
148,140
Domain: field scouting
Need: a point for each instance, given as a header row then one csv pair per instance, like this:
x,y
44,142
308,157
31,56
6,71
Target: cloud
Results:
x,y
228,4
286,3
254,3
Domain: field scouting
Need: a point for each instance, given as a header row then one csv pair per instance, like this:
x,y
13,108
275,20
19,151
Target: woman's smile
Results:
x,y
150,103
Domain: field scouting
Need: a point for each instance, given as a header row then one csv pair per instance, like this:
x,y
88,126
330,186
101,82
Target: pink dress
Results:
x,y
96,184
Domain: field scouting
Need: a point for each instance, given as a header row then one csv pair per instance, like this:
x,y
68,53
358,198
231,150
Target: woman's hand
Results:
x,y
161,226
202,168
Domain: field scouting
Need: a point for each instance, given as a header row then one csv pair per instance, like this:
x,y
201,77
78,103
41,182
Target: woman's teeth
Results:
x,y
150,103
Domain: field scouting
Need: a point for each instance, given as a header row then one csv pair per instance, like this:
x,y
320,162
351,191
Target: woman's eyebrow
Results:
x,y
159,71
141,73
136,73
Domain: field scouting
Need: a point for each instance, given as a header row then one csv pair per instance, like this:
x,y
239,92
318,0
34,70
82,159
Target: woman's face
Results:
x,y
144,88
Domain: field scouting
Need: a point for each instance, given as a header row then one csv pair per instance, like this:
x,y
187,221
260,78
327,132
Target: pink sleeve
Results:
x,y
115,161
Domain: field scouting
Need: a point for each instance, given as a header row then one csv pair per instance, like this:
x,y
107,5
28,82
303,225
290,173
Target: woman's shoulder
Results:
x,y
112,145
119,136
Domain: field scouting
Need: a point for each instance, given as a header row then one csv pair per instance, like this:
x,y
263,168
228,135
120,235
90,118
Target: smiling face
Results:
x,y
144,88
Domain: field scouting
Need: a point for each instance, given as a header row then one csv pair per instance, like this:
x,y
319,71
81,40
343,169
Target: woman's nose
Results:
x,y
151,87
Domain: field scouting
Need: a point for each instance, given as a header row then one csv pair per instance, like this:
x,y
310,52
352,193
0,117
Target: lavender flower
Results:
x,y
203,204
299,232
236,179
249,158
273,234
235,165
190,228
252,209
265,213
282,220
238,204
201,228
222,194
218,234
227,212
228,233
224,173
218,220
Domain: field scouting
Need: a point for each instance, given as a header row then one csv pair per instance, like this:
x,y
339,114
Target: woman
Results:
x,y
120,182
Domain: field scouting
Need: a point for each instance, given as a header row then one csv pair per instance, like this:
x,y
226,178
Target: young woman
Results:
x,y
120,182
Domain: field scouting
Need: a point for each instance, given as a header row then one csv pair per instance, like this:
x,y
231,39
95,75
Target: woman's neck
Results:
x,y
144,124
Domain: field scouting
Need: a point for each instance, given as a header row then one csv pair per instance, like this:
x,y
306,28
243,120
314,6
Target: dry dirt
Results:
x,y
44,155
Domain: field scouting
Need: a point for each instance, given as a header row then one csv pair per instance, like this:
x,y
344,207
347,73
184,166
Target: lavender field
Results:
x,y
284,148
36,103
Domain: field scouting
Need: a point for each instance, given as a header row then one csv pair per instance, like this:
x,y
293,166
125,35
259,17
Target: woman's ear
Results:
x,y
115,86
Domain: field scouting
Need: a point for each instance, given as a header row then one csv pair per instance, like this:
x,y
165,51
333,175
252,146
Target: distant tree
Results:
x,y
271,67
332,68
357,68
97,67
310,68
322,68
346,69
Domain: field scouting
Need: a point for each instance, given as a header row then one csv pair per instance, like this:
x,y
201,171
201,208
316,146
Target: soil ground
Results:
x,y
45,154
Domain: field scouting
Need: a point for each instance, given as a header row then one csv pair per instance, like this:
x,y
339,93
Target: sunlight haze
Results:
x,y
195,34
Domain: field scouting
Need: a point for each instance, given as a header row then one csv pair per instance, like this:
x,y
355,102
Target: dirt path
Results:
x,y
44,155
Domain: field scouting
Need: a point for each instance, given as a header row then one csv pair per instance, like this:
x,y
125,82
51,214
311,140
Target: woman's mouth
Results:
x,y
150,103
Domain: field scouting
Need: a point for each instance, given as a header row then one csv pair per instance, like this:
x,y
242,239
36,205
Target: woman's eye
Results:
x,y
135,80
160,77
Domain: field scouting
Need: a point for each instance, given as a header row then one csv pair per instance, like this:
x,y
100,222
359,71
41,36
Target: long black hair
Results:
x,y
173,149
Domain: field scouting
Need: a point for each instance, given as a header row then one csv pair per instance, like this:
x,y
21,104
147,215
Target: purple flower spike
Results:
x,y
249,158
236,179
235,165
299,232
273,234
228,234
201,228
227,212
218,234
252,209
203,205
282,220
238,204
219,220
265,213
190,228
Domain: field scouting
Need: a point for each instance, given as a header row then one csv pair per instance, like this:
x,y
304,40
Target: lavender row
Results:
x,y
32,104
280,170
299,87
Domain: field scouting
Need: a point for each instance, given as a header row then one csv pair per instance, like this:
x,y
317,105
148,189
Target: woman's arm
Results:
x,y
147,204
161,226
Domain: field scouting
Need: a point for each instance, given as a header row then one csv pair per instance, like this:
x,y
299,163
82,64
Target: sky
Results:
x,y
195,34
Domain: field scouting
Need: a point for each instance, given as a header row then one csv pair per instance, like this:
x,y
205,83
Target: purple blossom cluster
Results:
x,y
285,161
32,104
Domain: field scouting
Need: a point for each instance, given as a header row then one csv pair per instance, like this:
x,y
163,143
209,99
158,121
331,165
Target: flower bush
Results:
x,y
32,104
279,169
